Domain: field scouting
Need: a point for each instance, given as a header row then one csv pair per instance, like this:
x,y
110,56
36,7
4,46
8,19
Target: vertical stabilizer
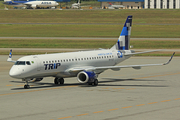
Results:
x,y
124,38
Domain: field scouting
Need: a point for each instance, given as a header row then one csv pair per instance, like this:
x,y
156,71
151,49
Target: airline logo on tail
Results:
x,y
124,38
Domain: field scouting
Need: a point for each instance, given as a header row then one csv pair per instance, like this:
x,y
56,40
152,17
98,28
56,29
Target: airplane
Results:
x,y
76,5
115,6
32,4
85,65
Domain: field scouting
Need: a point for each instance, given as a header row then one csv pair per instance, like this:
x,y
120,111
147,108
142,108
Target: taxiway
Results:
x,y
149,93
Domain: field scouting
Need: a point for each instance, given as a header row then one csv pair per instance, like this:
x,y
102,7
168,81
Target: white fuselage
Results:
x,y
33,4
57,65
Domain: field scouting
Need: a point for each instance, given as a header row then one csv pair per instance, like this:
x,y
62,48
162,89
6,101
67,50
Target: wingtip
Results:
x,y
170,59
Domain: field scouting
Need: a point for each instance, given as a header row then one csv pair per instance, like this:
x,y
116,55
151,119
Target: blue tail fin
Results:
x,y
124,38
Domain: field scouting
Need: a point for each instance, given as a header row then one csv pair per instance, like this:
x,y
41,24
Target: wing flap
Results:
x,y
91,68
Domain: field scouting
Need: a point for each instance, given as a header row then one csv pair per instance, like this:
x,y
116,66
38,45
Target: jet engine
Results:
x,y
37,79
33,6
86,76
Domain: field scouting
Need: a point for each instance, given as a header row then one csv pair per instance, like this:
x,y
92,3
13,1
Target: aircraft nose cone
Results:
x,y
15,72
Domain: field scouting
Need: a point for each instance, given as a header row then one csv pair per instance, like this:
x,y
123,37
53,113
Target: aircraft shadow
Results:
x,y
110,80
36,85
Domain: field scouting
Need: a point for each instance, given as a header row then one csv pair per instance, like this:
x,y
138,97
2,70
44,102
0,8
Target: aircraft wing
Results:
x,y
91,68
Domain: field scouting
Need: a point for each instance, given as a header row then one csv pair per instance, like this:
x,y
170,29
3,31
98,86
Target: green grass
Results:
x,y
105,23
85,44
146,23
88,44
61,30
90,16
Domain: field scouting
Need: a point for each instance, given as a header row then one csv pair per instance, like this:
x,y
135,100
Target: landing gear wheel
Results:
x,y
26,86
95,82
56,81
61,81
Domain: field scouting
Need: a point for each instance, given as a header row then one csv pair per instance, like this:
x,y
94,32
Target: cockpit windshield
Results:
x,y
22,63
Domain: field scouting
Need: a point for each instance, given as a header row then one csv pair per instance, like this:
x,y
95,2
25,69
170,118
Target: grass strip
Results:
x,y
90,16
88,30
87,44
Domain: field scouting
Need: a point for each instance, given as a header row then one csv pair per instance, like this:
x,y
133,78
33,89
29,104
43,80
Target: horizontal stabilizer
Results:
x,y
126,54
10,57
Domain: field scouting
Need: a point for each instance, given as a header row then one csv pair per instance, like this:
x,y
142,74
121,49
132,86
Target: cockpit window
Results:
x,y
20,63
28,63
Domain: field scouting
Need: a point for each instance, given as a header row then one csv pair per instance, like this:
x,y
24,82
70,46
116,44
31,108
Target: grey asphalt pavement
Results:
x,y
146,94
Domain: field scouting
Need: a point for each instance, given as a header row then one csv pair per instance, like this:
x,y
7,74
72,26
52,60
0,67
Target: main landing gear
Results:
x,y
95,83
59,81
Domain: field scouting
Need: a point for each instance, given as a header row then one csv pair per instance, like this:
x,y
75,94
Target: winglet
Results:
x,y
10,57
169,59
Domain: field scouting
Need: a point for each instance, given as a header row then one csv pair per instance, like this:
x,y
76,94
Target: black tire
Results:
x,y
95,82
61,81
56,81
26,86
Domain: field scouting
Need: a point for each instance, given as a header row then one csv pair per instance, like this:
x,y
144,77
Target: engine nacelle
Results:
x,y
33,6
36,79
86,76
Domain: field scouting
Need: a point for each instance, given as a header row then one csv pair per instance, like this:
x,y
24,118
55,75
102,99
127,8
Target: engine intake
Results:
x,y
86,76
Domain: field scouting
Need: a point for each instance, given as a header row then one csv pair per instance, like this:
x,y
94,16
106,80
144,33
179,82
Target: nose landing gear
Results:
x,y
26,86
